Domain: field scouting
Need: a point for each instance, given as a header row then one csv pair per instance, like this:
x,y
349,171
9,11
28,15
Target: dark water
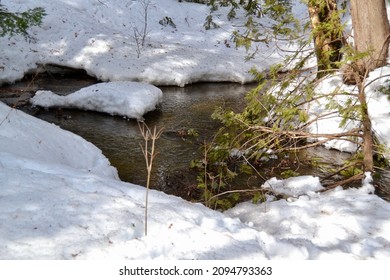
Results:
x,y
182,110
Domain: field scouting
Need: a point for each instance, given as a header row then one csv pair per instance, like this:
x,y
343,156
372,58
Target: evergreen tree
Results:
x,y
20,22
277,119
327,33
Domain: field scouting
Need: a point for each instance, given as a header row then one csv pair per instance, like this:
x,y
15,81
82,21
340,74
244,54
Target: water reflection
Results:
x,y
182,109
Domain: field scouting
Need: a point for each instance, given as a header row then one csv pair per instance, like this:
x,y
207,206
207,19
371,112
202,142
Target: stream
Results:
x,y
182,110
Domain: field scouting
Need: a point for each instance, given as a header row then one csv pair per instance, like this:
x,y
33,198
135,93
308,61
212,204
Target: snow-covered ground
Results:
x,y
378,109
99,36
61,199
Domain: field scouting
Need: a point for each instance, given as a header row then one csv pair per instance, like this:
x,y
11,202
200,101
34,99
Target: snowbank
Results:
x,y
100,37
30,143
60,199
128,99
338,224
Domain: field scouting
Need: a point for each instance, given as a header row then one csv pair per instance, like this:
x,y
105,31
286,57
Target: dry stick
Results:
x,y
205,175
149,157
354,178
345,167
234,191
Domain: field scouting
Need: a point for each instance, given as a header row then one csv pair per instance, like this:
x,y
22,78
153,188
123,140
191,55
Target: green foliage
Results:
x,y
281,21
275,119
216,170
353,166
19,23
242,144
379,157
385,89
327,33
272,124
288,174
191,132
258,197
351,171
210,24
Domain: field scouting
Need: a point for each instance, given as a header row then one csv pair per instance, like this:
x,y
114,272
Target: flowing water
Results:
x,y
182,110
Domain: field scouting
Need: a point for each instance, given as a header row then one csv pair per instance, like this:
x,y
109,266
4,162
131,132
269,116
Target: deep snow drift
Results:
x,y
60,199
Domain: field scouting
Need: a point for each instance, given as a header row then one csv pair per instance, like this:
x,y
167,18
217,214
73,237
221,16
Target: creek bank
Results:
x,y
182,110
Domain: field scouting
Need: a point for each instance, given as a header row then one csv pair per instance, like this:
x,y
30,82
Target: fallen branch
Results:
x,y
357,177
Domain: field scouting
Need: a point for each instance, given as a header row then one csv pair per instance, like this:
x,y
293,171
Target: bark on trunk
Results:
x,y
371,32
368,142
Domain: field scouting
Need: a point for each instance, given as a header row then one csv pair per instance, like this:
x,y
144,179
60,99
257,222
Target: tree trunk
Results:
x,y
327,32
368,141
371,32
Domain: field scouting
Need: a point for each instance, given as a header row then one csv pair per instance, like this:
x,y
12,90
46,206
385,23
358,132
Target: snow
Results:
x,y
339,224
61,199
128,99
30,143
99,36
378,109
295,186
